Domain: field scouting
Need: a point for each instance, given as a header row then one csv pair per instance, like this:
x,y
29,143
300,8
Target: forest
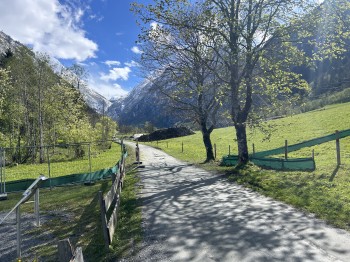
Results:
x,y
40,105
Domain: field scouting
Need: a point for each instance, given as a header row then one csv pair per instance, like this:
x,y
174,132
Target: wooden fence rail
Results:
x,y
112,201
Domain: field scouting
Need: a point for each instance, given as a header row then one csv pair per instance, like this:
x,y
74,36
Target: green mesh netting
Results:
x,y
261,159
21,185
308,143
303,164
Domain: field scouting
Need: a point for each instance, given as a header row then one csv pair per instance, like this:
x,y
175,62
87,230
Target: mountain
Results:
x,y
94,100
143,104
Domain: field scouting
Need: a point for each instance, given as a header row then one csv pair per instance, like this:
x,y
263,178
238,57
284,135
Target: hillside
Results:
x,y
295,128
40,105
91,97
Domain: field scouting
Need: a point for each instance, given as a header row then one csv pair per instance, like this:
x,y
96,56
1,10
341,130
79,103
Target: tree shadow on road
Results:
x,y
192,215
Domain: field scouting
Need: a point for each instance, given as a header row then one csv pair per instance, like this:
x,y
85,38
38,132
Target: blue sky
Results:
x,y
98,34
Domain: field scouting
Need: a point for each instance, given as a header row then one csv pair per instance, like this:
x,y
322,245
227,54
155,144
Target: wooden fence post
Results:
x,y
313,154
214,151
253,149
286,149
137,151
104,219
65,250
49,165
337,144
182,144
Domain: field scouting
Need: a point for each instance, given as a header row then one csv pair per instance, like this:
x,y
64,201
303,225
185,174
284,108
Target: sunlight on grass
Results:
x,y
99,160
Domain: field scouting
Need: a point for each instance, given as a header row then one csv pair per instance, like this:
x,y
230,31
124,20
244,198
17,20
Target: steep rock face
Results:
x,y
8,44
95,100
143,104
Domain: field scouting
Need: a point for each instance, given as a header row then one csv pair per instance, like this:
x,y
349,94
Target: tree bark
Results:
x,y
241,135
208,145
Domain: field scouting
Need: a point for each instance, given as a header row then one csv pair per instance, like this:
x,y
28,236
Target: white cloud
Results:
x,y
117,73
106,89
154,25
132,63
136,50
48,26
112,63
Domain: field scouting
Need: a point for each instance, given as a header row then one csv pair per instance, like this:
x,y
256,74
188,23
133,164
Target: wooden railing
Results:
x,y
111,201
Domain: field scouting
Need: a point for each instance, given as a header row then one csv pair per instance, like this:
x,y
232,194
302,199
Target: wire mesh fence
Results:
x,y
58,160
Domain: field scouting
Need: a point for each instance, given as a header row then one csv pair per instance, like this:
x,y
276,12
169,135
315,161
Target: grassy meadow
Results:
x,y
99,160
324,192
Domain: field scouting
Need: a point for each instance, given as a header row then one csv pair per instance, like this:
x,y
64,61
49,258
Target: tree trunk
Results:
x,y
208,145
241,135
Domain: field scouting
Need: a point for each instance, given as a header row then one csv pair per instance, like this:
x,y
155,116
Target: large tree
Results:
x,y
183,63
251,31
252,40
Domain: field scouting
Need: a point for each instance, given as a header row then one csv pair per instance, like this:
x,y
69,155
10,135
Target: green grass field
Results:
x,y
99,160
74,213
325,192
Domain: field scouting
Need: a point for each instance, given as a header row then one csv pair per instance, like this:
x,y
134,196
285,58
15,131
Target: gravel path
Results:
x,y
30,237
192,215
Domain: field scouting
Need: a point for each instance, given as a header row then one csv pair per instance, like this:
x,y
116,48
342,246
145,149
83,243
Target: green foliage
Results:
x,y
332,21
325,99
4,86
41,108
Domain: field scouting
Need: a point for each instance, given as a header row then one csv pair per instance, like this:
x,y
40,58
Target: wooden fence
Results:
x,y
111,201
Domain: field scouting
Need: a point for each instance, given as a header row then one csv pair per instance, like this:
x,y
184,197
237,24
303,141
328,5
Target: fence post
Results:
x,y
253,149
286,149
3,194
36,207
49,166
90,160
313,154
65,250
214,151
18,225
182,144
137,152
103,219
337,144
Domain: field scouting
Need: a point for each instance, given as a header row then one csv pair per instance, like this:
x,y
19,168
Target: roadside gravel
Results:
x,y
30,237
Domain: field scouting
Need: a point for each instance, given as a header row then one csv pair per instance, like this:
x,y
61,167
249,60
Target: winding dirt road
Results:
x,y
192,215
